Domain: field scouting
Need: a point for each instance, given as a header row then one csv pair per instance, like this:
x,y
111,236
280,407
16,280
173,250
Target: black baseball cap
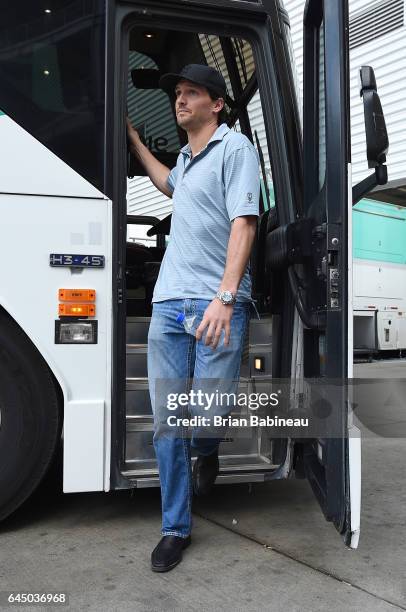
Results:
x,y
197,73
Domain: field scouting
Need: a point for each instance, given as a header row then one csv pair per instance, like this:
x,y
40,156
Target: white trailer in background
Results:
x,y
379,322
379,277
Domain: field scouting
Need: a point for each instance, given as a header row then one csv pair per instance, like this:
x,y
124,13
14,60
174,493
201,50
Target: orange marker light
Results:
x,y
77,295
77,310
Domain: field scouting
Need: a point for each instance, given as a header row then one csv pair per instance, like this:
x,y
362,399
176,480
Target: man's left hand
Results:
x,y
217,316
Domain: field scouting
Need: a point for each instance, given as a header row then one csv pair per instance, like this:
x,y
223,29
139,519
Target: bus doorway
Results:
x,y
300,260
153,52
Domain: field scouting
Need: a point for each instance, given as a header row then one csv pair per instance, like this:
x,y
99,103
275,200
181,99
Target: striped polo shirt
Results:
x,y
209,191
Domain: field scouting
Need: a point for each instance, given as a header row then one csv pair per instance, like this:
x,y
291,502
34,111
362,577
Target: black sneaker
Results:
x,y
168,553
205,472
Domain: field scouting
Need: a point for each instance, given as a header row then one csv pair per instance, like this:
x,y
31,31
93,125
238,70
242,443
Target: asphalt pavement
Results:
x,y
259,547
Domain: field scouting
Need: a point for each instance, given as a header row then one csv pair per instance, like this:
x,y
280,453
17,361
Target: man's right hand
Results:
x,y
157,172
133,135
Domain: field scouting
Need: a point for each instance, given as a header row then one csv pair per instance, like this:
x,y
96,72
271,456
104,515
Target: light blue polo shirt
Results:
x,y
216,186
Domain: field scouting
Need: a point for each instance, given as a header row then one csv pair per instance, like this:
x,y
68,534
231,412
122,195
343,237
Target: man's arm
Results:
x,y
157,172
217,316
240,243
241,181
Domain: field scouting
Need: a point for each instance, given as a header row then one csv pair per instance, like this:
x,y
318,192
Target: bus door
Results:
x,y
332,462
308,248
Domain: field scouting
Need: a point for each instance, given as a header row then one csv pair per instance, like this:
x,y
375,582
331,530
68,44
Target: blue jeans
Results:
x,y
176,362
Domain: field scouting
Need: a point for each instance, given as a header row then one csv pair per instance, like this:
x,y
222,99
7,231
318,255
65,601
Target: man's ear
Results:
x,y
219,104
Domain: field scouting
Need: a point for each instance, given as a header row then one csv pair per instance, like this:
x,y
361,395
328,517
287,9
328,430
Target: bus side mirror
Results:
x,y
375,126
376,135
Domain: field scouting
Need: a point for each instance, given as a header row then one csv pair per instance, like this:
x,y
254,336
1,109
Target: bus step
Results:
x,y
139,423
136,361
256,358
250,471
143,482
241,448
137,330
138,401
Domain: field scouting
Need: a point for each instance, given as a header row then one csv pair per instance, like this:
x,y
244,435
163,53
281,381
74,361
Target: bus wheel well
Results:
x,y
5,316
31,416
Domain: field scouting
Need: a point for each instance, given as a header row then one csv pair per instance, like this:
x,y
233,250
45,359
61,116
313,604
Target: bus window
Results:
x,y
151,110
151,113
217,52
52,78
256,119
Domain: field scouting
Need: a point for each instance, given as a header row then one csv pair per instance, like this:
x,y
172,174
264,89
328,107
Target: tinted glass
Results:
x,y
257,123
52,77
150,110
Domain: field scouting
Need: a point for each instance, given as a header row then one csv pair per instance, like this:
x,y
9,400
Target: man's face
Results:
x,y
194,107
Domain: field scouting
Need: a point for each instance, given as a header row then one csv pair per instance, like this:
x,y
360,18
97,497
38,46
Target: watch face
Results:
x,y
227,296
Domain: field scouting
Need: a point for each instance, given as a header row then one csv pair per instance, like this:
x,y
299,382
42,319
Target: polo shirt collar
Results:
x,y
218,135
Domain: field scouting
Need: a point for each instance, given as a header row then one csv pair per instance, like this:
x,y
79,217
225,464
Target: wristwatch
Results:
x,y
226,297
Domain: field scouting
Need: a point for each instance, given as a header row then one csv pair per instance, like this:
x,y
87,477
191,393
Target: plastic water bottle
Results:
x,y
189,323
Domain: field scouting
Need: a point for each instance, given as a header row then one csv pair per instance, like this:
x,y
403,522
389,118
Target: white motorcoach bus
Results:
x,y
75,296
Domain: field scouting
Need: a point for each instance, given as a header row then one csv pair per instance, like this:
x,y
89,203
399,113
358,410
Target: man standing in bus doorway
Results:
x,y
204,274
